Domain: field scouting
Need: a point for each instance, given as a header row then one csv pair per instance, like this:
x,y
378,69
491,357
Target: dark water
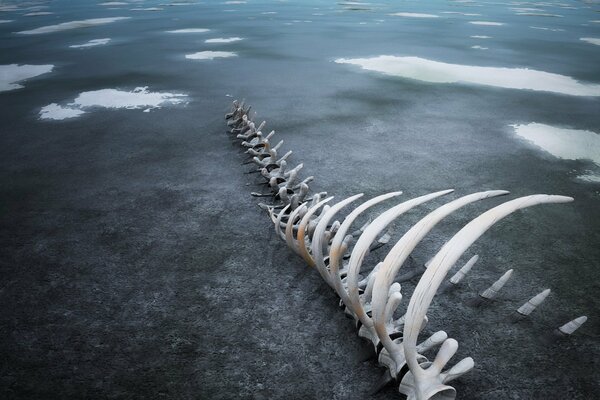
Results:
x,y
135,264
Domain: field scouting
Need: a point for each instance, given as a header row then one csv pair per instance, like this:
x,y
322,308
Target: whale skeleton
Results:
x,y
312,229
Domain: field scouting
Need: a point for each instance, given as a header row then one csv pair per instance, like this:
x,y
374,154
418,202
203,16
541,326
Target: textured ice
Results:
x,y
486,23
37,13
439,72
13,73
189,30
56,112
72,25
138,98
595,41
414,15
568,144
91,43
224,40
209,55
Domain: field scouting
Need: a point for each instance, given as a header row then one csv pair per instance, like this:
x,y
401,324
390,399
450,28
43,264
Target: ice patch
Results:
x,y
224,40
541,28
91,43
113,3
414,15
595,41
486,23
56,112
481,37
568,144
530,14
6,21
479,47
591,178
440,72
147,9
461,13
210,55
37,13
235,2
189,30
13,73
72,25
138,98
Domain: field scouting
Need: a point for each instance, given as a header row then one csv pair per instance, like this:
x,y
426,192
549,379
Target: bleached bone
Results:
x,y
301,245
280,216
289,228
360,251
533,303
461,273
398,255
570,327
318,236
298,197
336,251
431,382
491,292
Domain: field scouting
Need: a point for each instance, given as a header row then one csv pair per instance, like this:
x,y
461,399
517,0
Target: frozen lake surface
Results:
x,y
135,263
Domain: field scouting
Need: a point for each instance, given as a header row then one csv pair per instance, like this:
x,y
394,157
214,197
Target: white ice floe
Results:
x,y
72,25
530,14
595,41
591,178
5,21
481,37
235,2
138,98
486,23
414,15
56,112
11,74
147,9
596,21
439,72
224,40
568,144
462,13
113,3
479,47
190,30
91,43
37,13
210,55
541,28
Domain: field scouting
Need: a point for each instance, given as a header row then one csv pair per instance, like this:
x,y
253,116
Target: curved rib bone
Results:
x,y
364,242
396,258
337,252
300,244
428,382
318,236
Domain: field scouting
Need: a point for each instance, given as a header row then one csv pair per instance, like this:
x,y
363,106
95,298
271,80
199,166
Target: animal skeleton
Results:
x,y
310,229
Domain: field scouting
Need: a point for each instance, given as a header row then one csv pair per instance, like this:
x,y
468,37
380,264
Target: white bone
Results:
x,y
318,236
427,381
491,292
301,242
461,273
533,303
573,325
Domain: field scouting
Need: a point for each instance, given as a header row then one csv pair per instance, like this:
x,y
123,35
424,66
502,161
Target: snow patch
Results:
x,y
439,72
210,55
138,98
12,73
91,43
72,25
